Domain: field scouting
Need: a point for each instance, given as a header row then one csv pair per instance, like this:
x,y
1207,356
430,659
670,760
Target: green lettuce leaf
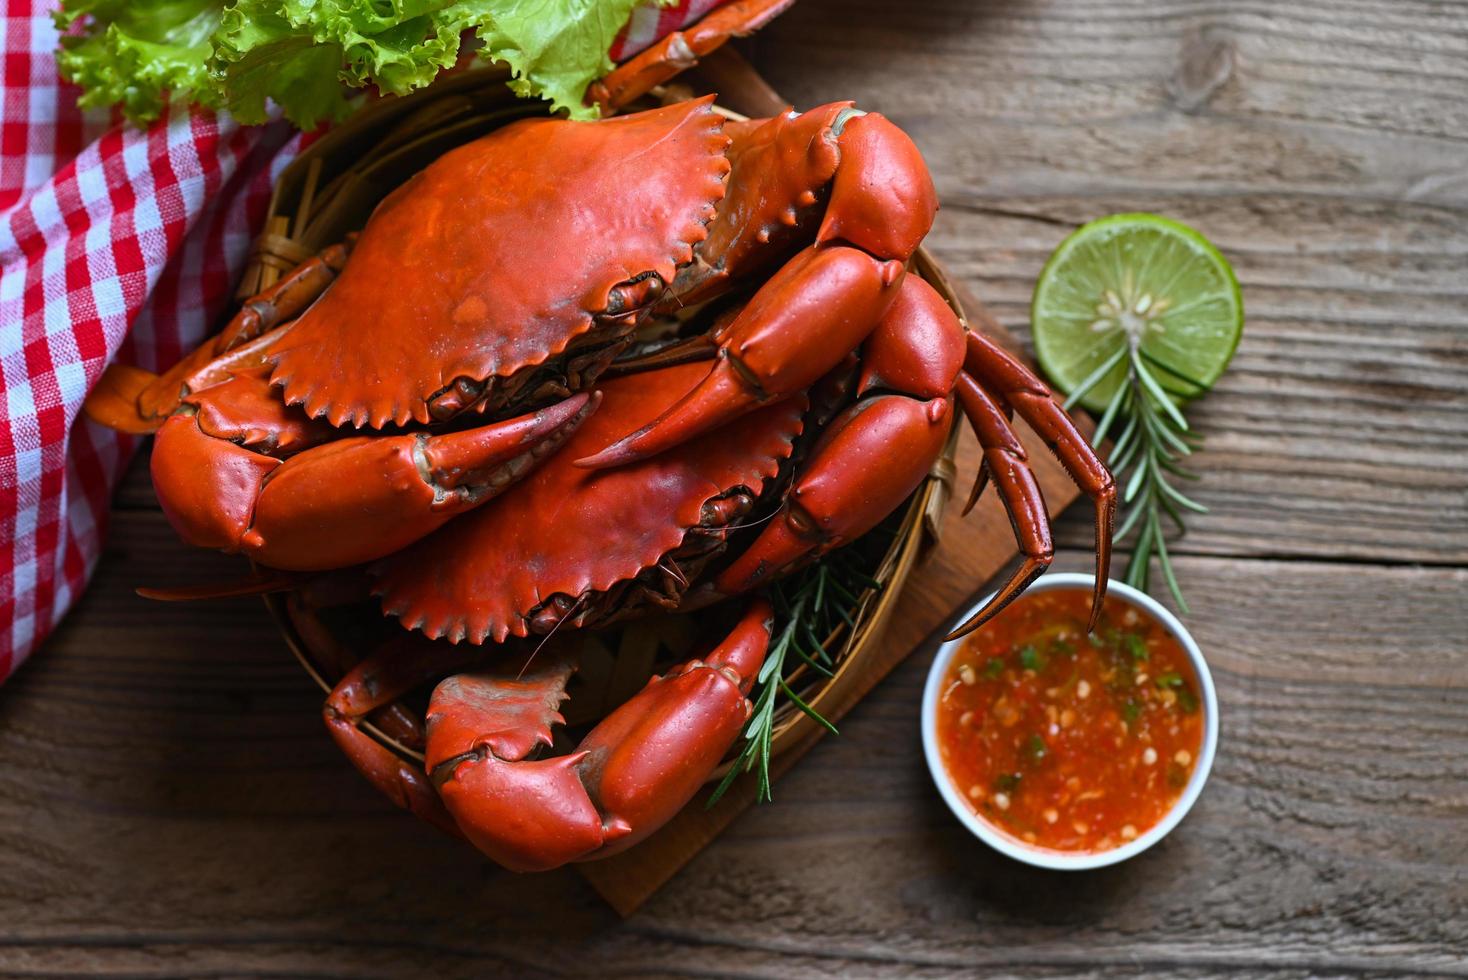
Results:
x,y
260,55
556,47
134,52
307,55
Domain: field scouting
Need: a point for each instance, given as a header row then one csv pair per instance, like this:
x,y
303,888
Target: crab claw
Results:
x,y
343,502
627,778
801,324
868,461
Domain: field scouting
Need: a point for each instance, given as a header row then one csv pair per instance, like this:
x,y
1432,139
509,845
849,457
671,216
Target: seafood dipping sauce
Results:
x,y
1066,741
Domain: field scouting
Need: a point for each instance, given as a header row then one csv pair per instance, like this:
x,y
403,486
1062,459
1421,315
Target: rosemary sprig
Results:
x,y
808,608
1153,438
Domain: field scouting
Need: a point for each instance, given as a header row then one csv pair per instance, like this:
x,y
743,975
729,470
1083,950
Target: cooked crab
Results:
x,y
502,281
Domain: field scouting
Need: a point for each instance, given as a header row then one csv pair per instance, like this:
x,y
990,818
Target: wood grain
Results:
x,y
168,806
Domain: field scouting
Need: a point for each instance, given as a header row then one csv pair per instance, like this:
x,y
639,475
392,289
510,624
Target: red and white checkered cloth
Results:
x,y
115,242
650,22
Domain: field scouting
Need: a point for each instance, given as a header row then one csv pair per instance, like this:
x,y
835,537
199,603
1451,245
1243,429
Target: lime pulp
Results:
x,y
1140,281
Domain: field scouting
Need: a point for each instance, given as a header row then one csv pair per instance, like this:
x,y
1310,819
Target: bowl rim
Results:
x,y
1061,860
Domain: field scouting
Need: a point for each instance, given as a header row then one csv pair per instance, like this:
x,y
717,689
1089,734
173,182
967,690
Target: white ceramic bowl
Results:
x,y
1062,860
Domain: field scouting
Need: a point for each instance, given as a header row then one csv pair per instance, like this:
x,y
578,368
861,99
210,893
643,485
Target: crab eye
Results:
x,y
634,294
455,398
726,509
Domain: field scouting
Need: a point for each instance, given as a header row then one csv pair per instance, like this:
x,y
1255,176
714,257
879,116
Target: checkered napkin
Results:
x,y
115,242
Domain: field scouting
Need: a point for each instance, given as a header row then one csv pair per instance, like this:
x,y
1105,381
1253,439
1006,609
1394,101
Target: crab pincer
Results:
x,y
339,502
915,362
626,779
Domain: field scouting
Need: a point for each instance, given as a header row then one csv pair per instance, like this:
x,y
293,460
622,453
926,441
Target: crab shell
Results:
x,y
567,530
499,254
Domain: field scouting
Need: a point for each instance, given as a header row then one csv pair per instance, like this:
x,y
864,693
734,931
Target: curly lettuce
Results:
x,y
307,56
133,53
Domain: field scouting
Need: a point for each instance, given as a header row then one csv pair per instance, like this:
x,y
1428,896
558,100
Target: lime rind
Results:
x,y
1132,258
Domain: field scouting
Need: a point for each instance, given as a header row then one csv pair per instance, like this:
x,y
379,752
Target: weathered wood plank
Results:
x,y
1336,433
169,805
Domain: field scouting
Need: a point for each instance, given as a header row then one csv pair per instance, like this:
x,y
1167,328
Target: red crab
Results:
x,y
504,279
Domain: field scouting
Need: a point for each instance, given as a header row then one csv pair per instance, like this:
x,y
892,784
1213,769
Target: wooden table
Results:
x,y
170,805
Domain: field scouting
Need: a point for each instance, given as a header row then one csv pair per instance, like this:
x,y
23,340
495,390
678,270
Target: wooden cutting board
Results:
x,y
968,553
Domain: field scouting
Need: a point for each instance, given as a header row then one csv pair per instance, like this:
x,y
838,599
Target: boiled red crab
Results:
x,y
502,281
443,313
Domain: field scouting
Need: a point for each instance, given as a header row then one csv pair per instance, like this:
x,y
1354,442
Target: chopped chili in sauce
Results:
x,y
1068,741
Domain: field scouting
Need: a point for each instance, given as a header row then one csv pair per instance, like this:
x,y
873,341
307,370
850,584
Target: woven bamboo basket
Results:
x,y
327,193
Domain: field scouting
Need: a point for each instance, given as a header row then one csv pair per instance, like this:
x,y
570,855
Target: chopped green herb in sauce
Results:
x,y
1029,658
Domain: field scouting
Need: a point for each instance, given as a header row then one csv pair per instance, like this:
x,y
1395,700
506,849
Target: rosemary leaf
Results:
x,y
811,662
1133,515
1129,434
1163,432
1160,397
1173,512
810,712
1181,471
1179,498
1119,461
1199,387
809,606
1094,378
1113,409
1139,476
1165,563
1153,438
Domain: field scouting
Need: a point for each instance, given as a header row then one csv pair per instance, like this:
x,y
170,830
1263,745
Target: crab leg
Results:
x,y
680,50
1009,380
864,466
1005,459
130,399
920,348
335,659
338,503
875,453
626,779
396,668
261,313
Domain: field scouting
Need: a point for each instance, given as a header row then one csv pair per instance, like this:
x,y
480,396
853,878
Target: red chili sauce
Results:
x,y
1068,741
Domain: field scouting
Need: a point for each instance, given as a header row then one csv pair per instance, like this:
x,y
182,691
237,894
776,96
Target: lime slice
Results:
x,y
1136,279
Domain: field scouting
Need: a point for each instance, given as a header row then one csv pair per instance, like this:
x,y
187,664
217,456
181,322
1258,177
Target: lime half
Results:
x,y
1139,280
